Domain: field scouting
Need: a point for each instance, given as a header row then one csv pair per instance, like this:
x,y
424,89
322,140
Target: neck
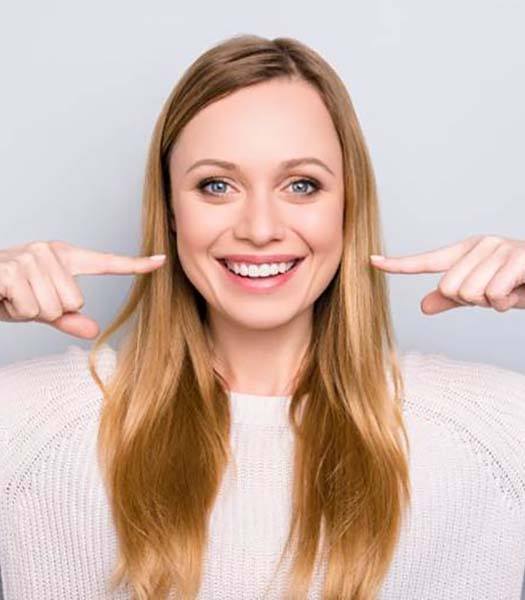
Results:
x,y
259,361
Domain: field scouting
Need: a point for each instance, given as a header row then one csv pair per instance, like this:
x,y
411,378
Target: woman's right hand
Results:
x,y
37,282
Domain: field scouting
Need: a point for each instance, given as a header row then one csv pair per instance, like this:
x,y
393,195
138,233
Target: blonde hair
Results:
x,y
164,434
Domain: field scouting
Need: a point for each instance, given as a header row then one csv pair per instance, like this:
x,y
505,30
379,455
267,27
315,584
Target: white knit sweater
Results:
x,y
463,539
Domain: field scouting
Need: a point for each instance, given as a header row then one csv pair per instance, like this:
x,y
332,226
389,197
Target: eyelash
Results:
x,y
202,184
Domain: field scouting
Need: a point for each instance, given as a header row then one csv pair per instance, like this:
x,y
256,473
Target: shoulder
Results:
x,y
486,388
482,405
41,393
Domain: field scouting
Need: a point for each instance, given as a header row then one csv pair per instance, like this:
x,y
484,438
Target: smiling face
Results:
x,y
260,207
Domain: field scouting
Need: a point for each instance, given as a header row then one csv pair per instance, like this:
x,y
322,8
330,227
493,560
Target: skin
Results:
x,y
481,270
258,339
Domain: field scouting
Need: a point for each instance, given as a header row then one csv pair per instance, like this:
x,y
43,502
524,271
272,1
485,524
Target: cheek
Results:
x,y
323,230
325,237
197,228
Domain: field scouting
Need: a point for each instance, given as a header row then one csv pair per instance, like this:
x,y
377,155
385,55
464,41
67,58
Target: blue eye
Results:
x,y
310,182
202,185
206,182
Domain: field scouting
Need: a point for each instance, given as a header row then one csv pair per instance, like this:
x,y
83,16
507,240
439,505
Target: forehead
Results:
x,y
260,125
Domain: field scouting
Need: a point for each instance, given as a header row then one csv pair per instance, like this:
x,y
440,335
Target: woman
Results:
x,y
256,434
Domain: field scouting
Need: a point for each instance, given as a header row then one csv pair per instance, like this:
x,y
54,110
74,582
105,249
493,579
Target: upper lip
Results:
x,y
259,259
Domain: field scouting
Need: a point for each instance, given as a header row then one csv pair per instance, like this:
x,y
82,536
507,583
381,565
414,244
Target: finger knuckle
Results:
x,y
469,296
50,310
32,312
447,289
73,304
495,295
26,259
59,245
498,304
492,239
473,298
51,314
502,307
37,246
465,295
10,269
43,250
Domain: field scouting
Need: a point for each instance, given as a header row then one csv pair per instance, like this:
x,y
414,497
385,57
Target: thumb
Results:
x,y
77,324
435,303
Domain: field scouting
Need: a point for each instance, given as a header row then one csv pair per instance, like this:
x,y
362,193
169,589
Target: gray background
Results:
x,y
439,89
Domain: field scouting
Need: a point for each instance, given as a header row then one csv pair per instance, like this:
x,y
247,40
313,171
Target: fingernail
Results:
x,y
377,257
157,257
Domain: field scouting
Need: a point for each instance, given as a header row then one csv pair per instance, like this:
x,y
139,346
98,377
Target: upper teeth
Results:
x,y
259,270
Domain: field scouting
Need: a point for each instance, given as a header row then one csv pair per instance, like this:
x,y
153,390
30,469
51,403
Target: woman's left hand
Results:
x,y
482,270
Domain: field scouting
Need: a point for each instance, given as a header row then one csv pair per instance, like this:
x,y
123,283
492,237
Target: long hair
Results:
x,y
164,434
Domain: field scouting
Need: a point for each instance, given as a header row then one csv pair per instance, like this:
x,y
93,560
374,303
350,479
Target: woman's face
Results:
x,y
257,206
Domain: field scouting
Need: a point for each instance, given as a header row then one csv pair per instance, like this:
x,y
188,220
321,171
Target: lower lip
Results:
x,y
260,284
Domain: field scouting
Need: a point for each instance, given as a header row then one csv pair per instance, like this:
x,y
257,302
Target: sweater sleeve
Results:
x,y
25,387
484,404
504,392
16,396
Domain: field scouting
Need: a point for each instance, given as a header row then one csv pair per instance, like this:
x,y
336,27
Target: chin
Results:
x,y
259,320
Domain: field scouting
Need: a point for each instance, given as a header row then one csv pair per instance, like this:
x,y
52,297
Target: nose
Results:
x,y
259,219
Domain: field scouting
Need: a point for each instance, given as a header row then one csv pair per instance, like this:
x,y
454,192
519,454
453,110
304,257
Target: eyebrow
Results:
x,y
287,164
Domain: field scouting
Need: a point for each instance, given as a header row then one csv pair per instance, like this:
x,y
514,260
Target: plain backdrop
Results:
x,y
439,89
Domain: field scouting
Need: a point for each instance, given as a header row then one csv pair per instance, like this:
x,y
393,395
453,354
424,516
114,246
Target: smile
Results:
x,y
260,283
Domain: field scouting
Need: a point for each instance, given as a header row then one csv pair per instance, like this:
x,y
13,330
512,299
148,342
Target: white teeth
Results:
x,y
263,270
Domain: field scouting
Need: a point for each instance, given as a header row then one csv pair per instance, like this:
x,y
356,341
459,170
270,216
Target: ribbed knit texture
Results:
x,y
464,537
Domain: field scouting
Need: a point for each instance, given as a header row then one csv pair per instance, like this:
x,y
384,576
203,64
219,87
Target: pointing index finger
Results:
x,y
434,261
83,261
